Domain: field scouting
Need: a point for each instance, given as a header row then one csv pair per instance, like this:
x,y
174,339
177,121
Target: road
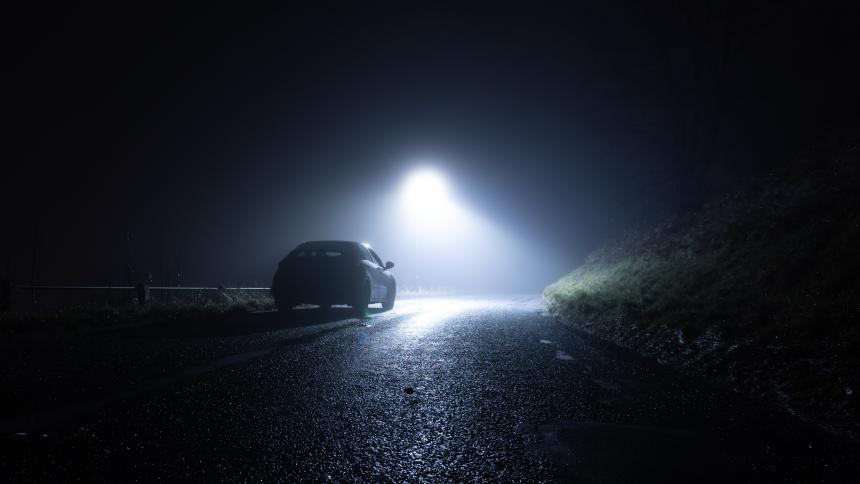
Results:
x,y
439,389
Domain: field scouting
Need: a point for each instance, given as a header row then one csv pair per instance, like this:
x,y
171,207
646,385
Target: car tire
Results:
x,y
388,304
362,300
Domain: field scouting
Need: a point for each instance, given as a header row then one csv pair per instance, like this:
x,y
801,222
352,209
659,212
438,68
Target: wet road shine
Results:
x,y
439,389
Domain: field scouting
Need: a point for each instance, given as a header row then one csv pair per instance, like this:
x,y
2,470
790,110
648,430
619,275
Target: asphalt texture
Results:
x,y
439,389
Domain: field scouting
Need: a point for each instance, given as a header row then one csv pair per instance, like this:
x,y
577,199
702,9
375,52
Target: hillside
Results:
x,y
758,290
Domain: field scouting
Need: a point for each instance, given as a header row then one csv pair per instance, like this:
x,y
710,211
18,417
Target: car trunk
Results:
x,y
319,275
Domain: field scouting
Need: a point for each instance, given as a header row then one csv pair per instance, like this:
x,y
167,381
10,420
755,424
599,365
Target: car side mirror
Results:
x,y
389,265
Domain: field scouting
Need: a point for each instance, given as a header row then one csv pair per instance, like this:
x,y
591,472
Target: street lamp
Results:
x,y
427,204
425,194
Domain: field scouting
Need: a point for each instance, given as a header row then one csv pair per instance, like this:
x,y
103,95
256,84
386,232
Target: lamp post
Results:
x,y
426,199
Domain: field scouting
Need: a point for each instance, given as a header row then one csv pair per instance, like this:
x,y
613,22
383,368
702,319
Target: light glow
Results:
x,y
426,194
426,314
443,246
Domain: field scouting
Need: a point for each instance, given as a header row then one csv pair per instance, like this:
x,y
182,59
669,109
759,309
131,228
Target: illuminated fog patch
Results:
x,y
442,244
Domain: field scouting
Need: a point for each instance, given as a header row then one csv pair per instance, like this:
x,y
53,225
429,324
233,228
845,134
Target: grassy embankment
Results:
x,y
91,317
759,290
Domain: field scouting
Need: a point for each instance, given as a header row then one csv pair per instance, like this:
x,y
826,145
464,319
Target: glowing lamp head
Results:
x,y
424,192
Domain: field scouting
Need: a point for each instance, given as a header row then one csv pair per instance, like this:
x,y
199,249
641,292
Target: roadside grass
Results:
x,y
760,288
92,317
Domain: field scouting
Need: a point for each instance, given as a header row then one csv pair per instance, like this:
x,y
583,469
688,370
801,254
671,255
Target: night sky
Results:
x,y
209,142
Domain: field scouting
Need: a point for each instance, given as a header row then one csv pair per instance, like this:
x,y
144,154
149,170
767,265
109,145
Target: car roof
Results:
x,y
327,245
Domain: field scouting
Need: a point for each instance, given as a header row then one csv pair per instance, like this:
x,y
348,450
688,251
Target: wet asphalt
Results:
x,y
439,389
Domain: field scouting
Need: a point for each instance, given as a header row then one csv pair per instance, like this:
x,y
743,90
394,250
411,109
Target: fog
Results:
x,y
200,147
438,242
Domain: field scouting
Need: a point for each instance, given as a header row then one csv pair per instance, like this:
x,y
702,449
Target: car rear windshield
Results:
x,y
299,253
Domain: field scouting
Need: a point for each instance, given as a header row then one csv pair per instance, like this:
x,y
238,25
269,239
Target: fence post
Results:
x,y
142,293
5,296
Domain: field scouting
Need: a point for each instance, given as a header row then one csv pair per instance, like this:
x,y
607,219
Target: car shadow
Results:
x,y
243,323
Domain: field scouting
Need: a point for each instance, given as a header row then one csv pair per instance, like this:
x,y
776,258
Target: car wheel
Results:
x,y
359,306
388,304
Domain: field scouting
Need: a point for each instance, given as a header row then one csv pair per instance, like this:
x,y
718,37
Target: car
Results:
x,y
333,272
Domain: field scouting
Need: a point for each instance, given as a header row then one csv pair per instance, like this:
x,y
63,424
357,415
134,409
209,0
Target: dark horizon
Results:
x,y
150,143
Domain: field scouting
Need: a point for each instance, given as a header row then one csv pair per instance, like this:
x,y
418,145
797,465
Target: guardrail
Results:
x,y
54,296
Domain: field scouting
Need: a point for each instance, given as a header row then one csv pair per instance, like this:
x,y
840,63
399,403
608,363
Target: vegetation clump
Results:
x,y
103,316
759,289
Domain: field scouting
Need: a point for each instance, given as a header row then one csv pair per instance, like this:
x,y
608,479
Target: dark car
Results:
x,y
332,272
